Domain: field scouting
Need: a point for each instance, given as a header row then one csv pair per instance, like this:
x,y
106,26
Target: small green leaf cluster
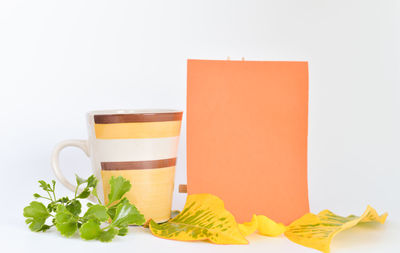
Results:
x,y
101,222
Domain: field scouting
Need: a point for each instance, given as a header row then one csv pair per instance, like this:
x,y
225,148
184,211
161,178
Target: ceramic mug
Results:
x,y
140,145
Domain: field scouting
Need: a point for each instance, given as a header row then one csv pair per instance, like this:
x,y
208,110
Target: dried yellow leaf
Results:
x,y
317,231
203,217
268,227
248,228
264,226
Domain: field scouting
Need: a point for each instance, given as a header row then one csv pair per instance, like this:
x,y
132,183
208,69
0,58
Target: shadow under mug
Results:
x,y
141,146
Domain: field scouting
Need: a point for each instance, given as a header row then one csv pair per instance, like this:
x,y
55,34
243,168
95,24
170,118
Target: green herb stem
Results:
x,y
50,196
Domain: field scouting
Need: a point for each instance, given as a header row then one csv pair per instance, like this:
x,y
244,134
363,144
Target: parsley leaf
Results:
x,y
44,228
74,207
92,181
84,194
45,186
98,212
108,235
65,221
119,186
79,180
127,214
37,214
66,212
112,210
90,230
123,231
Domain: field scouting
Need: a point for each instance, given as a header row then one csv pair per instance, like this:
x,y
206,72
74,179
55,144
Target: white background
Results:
x,y
60,59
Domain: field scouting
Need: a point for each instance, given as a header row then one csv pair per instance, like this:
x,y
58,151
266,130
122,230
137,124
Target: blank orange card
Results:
x,y
247,136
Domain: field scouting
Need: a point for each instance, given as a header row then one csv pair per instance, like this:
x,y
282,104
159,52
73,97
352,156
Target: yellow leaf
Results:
x,y
264,225
203,217
269,227
248,228
317,231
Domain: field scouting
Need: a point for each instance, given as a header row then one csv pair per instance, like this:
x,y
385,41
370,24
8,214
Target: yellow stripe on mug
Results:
x,y
137,130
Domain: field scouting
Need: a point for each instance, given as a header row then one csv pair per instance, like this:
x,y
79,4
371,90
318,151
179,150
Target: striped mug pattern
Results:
x,y
138,145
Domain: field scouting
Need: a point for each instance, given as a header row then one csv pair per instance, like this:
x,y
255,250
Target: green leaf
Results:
x,y
84,194
37,214
65,221
94,193
111,212
52,206
108,235
79,180
44,228
98,212
74,207
113,209
92,181
89,204
45,186
63,200
123,231
127,214
90,230
119,186
36,195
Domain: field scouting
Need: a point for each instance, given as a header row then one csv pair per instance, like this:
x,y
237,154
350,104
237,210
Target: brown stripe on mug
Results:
x,y
137,117
139,165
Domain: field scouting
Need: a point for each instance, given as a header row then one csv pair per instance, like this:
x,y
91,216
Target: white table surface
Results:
x,y
16,237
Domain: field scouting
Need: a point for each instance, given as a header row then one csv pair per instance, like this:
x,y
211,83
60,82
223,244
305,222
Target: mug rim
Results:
x,y
133,111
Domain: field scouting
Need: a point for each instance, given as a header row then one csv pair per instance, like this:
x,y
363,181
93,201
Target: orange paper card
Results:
x,y
247,136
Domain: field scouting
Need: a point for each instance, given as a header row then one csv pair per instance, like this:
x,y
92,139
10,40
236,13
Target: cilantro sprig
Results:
x,y
65,213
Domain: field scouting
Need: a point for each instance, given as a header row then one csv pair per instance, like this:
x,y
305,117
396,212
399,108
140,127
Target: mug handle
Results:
x,y
55,164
